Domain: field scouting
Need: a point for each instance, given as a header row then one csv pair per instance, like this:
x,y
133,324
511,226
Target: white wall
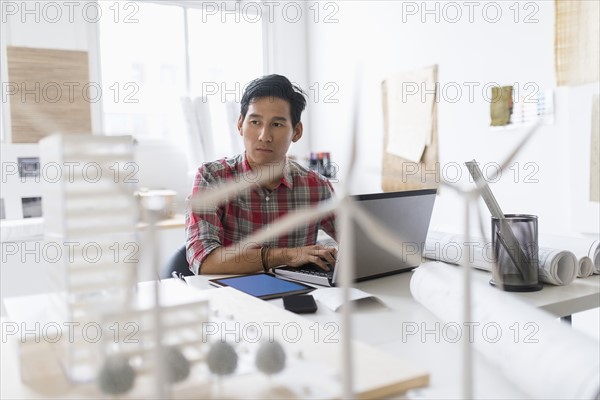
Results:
x,y
384,39
287,55
374,35
29,25
22,273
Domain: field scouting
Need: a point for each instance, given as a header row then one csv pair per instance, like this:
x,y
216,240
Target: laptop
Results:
x,y
406,213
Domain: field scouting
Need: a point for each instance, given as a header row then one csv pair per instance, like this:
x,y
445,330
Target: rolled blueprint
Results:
x,y
556,267
579,246
586,267
544,358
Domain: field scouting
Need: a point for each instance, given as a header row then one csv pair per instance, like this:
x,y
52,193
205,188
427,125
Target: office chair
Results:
x,y
178,264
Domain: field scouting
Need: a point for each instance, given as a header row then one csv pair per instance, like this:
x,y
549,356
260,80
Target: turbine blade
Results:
x,y
290,221
220,194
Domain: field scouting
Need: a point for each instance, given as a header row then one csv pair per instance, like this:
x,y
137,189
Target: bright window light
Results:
x,y
143,69
226,52
144,65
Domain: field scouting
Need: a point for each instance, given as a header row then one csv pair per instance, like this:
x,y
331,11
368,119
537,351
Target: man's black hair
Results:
x,y
275,86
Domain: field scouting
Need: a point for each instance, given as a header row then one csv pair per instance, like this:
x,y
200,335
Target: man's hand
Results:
x,y
249,260
317,254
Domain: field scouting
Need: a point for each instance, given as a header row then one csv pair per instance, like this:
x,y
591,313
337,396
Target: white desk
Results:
x,y
177,222
383,327
581,295
312,369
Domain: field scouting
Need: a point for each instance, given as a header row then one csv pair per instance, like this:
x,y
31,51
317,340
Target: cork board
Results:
x,y
400,174
49,92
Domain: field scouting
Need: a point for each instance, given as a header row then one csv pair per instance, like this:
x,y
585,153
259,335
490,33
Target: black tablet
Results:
x,y
263,286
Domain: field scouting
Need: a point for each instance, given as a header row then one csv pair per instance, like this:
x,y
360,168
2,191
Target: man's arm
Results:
x,y
204,231
235,261
206,254
327,224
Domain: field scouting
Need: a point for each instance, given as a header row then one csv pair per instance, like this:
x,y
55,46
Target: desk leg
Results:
x,y
567,319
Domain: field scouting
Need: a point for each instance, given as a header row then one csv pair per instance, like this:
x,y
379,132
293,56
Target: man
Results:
x,y
269,122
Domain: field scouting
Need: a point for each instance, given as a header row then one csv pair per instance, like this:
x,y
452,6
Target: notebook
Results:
x,y
406,213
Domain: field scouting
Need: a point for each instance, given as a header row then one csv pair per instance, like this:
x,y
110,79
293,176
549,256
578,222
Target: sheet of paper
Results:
x,y
410,99
501,106
576,42
332,297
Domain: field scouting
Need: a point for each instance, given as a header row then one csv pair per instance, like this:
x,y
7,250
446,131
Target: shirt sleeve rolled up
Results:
x,y
204,230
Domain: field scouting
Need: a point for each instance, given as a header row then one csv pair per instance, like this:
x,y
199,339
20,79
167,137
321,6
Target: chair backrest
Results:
x,y
177,263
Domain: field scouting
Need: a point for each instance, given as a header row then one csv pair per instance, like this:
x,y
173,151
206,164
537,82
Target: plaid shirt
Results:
x,y
252,209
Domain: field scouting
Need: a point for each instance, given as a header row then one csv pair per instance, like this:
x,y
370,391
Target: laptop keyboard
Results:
x,y
313,269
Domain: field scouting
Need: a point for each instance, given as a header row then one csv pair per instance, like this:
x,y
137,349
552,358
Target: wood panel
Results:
x,y
49,92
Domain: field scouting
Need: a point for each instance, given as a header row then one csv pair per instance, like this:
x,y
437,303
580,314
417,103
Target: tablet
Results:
x,y
263,286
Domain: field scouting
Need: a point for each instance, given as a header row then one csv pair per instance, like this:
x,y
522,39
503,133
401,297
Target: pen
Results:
x,y
178,275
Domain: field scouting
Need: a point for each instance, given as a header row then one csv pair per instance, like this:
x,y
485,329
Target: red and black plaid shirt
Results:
x,y
252,209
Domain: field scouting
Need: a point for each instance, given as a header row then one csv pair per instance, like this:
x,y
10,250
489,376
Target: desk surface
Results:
x,y
312,366
581,295
178,221
382,327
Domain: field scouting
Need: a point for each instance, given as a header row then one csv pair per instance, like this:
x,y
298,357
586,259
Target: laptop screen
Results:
x,y
407,214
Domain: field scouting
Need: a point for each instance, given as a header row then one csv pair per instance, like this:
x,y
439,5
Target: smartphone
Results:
x,y
300,304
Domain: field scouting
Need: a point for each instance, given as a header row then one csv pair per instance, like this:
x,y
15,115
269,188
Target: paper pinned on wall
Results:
x,y
595,151
501,106
410,99
577,38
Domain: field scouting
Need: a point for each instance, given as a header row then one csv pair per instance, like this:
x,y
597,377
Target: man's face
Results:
x,y
267,130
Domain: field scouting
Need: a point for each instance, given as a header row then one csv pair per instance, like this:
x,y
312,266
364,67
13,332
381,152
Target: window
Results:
x,y
133,52
226,53
145,65
224,50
